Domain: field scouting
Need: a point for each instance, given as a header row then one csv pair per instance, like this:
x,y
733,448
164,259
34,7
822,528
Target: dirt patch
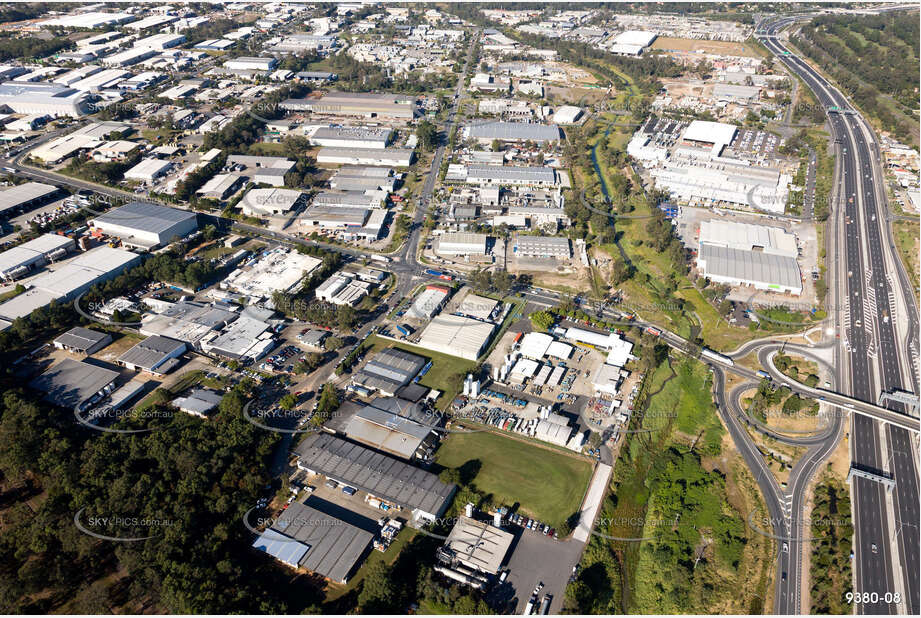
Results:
x,y
697,46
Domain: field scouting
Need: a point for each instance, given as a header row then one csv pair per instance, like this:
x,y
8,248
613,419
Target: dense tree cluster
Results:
x,y
188,484
25,48
831,563
871,57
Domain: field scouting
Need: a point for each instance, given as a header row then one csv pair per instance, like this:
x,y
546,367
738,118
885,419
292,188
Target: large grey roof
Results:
x,y
70,383
375,473
145,216
387,431
79,338
390,369
151,352
321,543
18,195
751,266
515,131
509,172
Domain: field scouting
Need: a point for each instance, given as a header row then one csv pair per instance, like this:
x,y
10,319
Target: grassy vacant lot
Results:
x,y
676,487
906,240
447,372
545,484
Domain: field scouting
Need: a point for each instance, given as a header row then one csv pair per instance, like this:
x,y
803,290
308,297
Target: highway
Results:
x,y
873,303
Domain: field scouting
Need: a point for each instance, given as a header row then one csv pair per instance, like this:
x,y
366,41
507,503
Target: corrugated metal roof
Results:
x,y
752,266
375,473
514,131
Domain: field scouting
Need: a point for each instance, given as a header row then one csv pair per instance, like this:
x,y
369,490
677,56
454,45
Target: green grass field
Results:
x,y
545,484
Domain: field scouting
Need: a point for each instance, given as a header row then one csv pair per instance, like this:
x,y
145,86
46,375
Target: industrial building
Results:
x,y
352,137
70,280
335,217
249,63
744,254
356,104
632,42
389,157
245,339
23,259
387,479
303,537
567,114
508,175
155,355
389,370
199,402
473,548
380,427
619,349
486,132
363,179
275,270
693,164
456,335
349,199
188,321
149,169
272,202
146,225
25,196
477,307
81,340
343,289
460,243
221,186
542,247
428,302
43,98
74,384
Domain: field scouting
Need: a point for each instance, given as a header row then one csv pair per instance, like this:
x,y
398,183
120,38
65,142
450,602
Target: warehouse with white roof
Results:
x,y
23,259
146,225
457,335
742,254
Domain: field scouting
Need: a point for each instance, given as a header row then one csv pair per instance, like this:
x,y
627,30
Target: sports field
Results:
x,y
546,484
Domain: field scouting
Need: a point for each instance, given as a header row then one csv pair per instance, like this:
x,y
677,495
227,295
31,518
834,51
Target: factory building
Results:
x,y
335,217
75,385
507,175
387,157
155,355
474,549
389,370
382,477
461,243
352,137
428,302
632,42
379,426
743,254
43,98
79,340
542,247
249,63
23,259
486,132
69,280
272,202
146,225
303,537
148,170
457,335
356,104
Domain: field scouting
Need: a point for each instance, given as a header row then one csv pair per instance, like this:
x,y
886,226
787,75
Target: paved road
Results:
x,y
875,361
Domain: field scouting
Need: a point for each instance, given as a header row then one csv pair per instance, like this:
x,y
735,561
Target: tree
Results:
x,y
377,594
288,402
333,344
427,133
542,320
495,146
